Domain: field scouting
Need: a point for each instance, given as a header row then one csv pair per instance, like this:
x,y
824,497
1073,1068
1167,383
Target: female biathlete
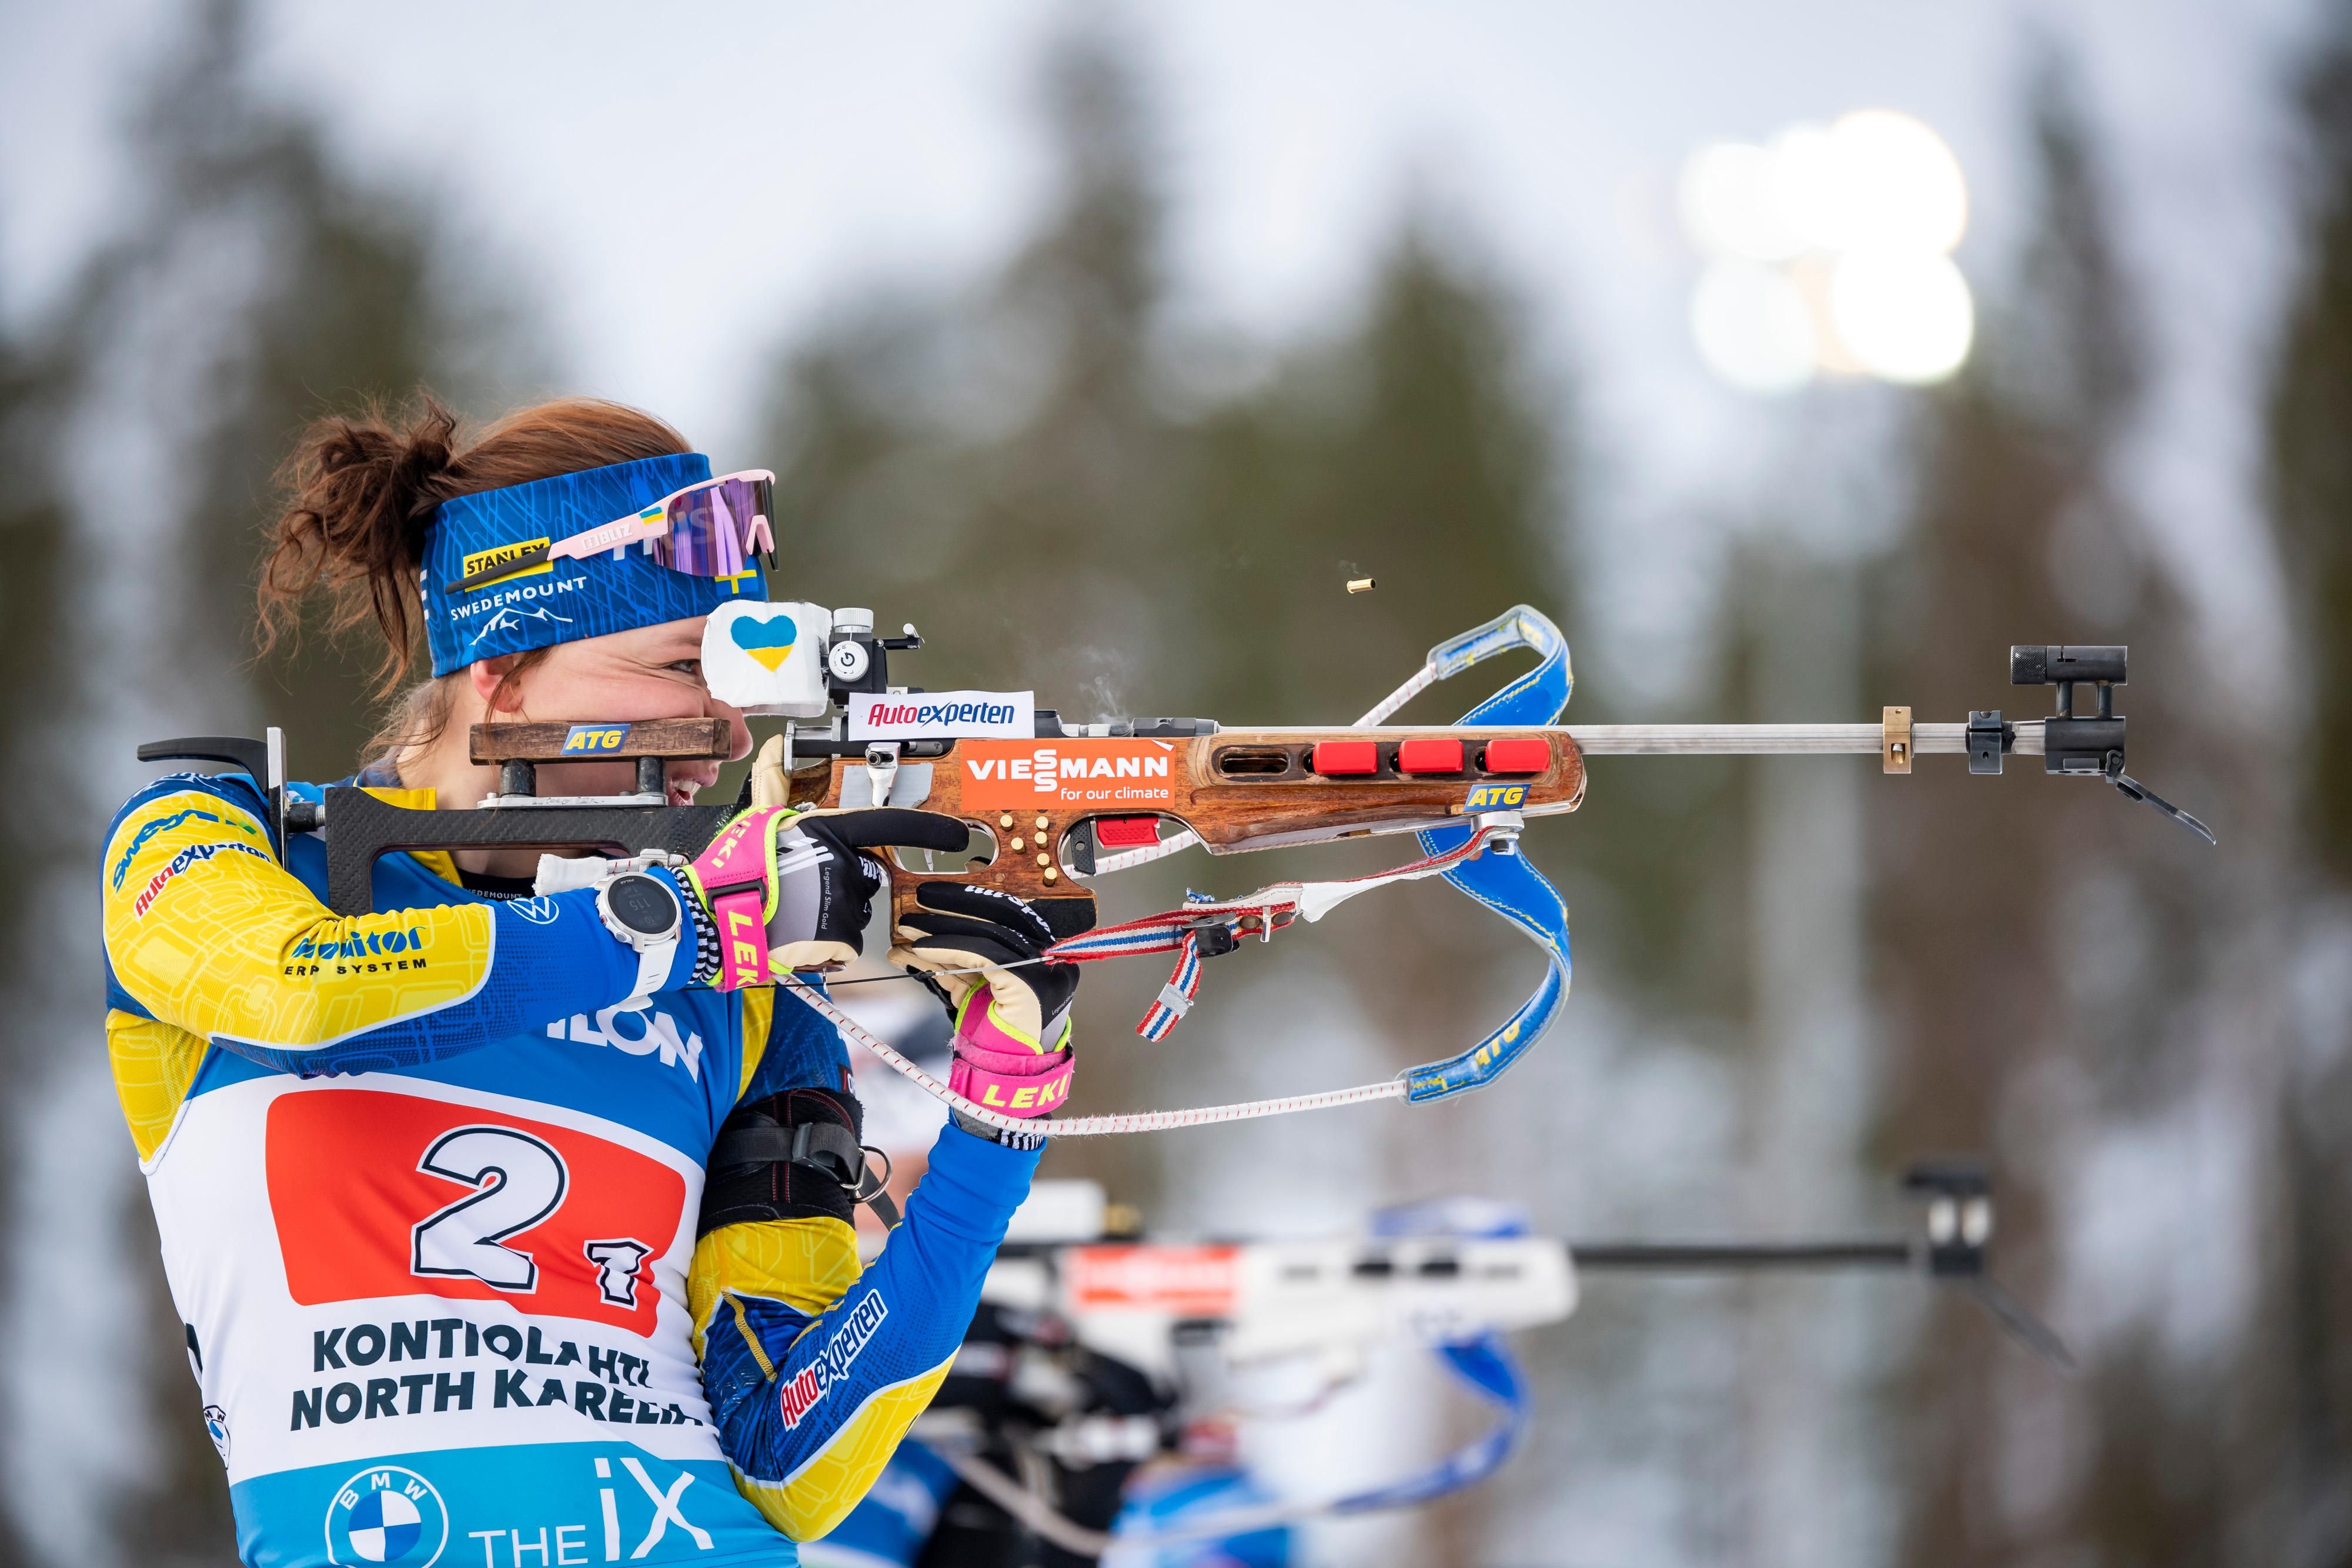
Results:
x,y
431,1181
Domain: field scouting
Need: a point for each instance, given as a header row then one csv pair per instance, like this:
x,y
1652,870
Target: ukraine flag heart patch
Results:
x,y
769,641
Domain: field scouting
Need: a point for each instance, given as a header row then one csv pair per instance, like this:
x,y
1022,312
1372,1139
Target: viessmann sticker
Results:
x,y
942,715
1036,775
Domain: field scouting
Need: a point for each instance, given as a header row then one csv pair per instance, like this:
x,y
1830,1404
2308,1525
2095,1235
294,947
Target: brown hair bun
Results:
x,y
360,492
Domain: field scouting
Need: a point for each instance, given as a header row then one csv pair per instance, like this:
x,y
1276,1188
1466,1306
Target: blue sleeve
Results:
x,y
811,1403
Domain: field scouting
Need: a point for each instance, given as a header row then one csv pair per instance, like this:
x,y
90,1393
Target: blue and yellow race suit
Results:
x,y
428,1201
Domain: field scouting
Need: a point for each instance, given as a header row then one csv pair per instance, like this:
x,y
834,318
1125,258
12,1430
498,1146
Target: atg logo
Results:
x,y
387,1515
1497,798
595,738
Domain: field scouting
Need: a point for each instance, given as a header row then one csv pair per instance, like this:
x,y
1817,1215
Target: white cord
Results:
x,y
1422,679
1086,1126
1104,864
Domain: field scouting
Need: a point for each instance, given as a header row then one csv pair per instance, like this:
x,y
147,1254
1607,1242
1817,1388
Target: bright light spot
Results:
x,y
1752,327
1903,190
1828,254
1808,185
1729,205
1907,316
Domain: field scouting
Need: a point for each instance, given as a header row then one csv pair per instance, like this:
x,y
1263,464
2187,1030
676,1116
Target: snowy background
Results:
x,y
1103,342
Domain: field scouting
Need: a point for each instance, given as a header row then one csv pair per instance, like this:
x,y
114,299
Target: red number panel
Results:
x,y
392,1195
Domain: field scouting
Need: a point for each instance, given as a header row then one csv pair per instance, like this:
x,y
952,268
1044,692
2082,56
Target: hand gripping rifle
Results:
x,y
1040,808
1454,1275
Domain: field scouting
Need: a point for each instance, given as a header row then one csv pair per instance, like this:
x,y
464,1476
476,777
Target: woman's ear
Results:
x,y
488,677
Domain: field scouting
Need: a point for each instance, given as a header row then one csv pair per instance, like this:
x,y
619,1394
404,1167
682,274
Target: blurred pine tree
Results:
x,y
257,286
2041,999
37,693
2311,447
339,305
2311,509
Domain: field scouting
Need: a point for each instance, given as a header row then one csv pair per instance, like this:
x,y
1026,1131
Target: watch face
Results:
x,y
642,904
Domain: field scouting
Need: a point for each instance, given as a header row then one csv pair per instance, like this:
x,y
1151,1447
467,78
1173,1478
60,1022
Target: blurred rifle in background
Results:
x,y
1096,1404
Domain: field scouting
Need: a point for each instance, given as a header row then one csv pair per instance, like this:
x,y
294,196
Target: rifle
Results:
x,y
1040,807
1453,1275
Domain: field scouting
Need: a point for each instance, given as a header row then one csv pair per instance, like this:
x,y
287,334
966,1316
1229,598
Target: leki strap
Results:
x,y
742,936
736,873
1030,1093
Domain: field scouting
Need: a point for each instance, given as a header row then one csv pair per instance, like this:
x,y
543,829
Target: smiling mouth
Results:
x,y
682,787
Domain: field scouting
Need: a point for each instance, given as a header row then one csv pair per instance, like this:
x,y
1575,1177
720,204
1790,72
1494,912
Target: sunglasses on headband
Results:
x,y
710,529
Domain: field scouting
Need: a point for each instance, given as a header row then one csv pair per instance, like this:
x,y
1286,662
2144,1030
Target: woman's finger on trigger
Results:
x,y
954,927
872,827
985,904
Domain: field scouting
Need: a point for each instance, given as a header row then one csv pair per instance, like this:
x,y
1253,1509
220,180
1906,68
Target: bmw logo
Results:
x,y
386,1514
216,1429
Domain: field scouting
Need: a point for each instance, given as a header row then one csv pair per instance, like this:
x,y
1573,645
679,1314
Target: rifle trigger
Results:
x,y
1216,938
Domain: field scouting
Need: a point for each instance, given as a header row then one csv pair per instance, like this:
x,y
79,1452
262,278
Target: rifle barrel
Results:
x,y
1709,1257
1778,739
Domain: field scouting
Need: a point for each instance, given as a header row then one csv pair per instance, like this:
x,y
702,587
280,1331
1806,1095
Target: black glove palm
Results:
x,y
958,927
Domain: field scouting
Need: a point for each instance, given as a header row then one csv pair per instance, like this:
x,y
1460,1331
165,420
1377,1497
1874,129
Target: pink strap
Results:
x,y
742,939
1003,1072
1043,1085
733,873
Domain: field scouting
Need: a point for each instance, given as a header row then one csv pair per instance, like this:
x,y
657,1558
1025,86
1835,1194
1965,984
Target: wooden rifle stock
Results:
x,y
1043,812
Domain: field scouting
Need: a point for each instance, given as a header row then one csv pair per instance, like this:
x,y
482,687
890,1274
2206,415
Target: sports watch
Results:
x,y
643,914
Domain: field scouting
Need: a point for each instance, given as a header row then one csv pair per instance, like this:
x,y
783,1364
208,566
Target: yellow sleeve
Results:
x,y
207,931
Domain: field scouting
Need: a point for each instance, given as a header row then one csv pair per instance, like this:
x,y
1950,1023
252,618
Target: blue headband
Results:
x,y
562,601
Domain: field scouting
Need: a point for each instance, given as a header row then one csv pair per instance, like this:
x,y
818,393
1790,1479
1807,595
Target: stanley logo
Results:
x,y
476,560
